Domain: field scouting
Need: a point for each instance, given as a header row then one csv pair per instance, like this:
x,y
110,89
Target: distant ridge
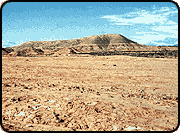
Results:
x,y
106,44
176,45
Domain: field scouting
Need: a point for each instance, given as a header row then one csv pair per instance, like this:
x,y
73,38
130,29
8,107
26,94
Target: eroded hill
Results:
x,y
106,44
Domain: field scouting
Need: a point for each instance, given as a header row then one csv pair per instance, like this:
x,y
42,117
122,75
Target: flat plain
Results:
x,y
92,93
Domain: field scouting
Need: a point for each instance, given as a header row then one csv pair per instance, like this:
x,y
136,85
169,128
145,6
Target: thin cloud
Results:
x,y
8,43
12,43
147,33
54,27
168,40
172,29
141,17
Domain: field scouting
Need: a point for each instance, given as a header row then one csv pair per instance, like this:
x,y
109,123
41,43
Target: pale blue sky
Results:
x,y
143,22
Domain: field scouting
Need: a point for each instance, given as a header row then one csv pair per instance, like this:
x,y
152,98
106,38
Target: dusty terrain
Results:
x,y
89,93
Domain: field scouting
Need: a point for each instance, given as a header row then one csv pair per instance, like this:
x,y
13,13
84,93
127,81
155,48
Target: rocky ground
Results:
x,y
72,92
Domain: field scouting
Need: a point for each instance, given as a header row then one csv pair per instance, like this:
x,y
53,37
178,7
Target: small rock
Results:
x,y
13,99
26,87
19,99
77,87
7,85
61,120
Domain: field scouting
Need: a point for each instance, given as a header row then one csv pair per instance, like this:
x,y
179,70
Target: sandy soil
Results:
x,y
89,93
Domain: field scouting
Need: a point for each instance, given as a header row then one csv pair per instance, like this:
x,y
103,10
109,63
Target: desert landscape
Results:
x,y
99,83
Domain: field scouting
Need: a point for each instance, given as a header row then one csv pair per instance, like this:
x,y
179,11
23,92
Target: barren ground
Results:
x,y
89,93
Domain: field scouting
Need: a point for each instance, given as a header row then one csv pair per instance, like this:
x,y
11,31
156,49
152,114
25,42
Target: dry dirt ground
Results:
x,y
93,93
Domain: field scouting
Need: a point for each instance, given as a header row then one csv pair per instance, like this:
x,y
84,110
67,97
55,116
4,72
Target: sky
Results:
x,y
148,23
